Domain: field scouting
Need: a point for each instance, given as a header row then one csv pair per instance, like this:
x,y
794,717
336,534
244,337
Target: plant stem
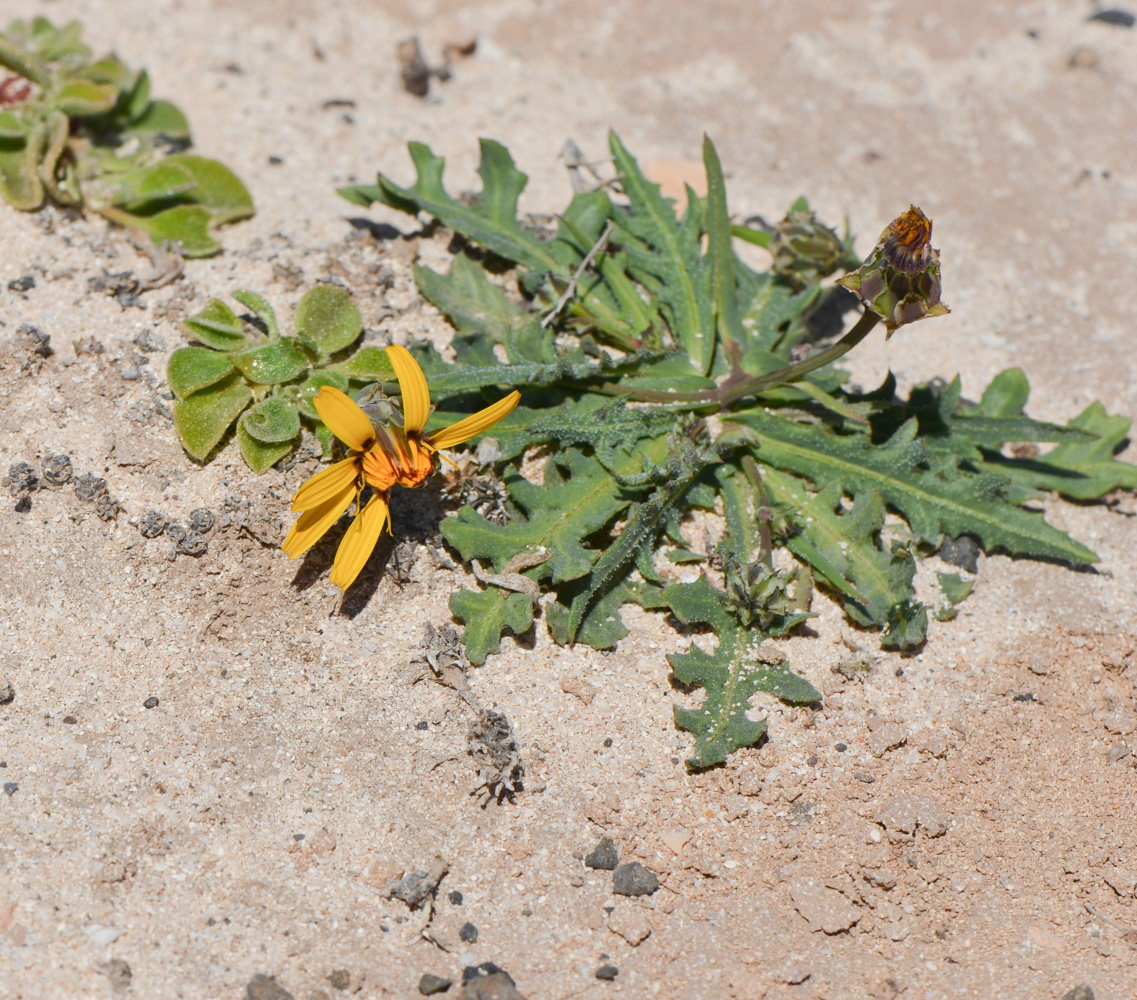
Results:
x,y
727,394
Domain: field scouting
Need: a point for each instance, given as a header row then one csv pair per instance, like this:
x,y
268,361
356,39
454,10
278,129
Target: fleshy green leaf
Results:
x,y
82,99
272,421
277,361
311,387
20,182
730,675
203,418
217,326
162,181
217,188
185,226
487,615
261,308
327,316
193,368
368,364
162,118
258,455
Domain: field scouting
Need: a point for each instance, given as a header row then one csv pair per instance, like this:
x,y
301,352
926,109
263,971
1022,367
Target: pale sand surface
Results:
x,y
167,838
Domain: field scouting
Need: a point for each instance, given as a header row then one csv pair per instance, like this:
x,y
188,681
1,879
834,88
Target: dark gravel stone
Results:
x,y
69,720
603,856
1083,992
38,342
422,726
201,521
1119,19
468,933
7,693
57,470
150,342
811,760
608,972
429,985
23,284
23,505
474,972
963,552
455,897
150,702
262,987
340,979
478,983
153,523
634,880
840,748
10,788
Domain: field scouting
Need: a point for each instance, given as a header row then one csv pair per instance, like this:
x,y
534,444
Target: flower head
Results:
x,y
900,279
379,456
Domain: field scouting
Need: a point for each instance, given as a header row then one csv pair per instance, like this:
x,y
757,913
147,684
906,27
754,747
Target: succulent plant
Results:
x,y
80,131
246,372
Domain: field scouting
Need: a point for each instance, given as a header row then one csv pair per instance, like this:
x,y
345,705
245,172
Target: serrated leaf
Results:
x,y
955,588
217,326
203,418
668,251
843,548
327,315
907,626
730,675
193,368
487,615
471,303
272,421
1078,471
934,501
277,361
259,455
578,498
261,308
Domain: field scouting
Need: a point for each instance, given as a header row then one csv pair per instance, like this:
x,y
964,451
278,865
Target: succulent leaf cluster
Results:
x,y
247,372
85,132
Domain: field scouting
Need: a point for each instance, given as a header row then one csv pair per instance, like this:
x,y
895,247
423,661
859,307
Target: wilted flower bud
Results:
x,y
760,594
804,249
900,279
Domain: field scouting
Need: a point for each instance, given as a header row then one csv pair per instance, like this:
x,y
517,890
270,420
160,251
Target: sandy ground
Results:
x,y
930,832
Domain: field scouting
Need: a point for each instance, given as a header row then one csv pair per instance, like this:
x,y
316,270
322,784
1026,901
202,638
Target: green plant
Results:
x,y
702,405
85,132
248,373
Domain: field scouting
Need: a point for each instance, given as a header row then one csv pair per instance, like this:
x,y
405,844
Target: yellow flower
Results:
x,y
379,457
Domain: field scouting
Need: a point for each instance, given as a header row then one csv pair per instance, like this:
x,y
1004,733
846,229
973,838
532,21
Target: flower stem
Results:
x,y
727,394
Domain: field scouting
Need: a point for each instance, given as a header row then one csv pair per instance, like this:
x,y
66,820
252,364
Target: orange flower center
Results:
x,y
396,457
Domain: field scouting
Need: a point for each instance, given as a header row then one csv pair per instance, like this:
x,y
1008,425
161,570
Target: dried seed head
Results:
x,y
900,279
805,250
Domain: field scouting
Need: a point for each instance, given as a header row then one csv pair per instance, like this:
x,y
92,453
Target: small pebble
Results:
x,y
150,702
69,720
840,748
634,880
262,987
608,742
455,897
7,693
608,972
811,760
22,284
468,933
421,726
603,856
340,979
23,505
429,985
10,788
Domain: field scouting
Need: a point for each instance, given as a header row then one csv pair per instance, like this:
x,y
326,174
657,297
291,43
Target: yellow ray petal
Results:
x,y
313,523
324,485
474,424
412,384
359,542
344,418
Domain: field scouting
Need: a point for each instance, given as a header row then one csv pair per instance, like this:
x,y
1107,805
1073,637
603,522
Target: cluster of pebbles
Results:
x,y
56,471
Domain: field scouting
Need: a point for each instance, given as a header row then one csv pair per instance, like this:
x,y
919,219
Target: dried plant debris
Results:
x,y
21,479
239,513
496,754
57,470
37,343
